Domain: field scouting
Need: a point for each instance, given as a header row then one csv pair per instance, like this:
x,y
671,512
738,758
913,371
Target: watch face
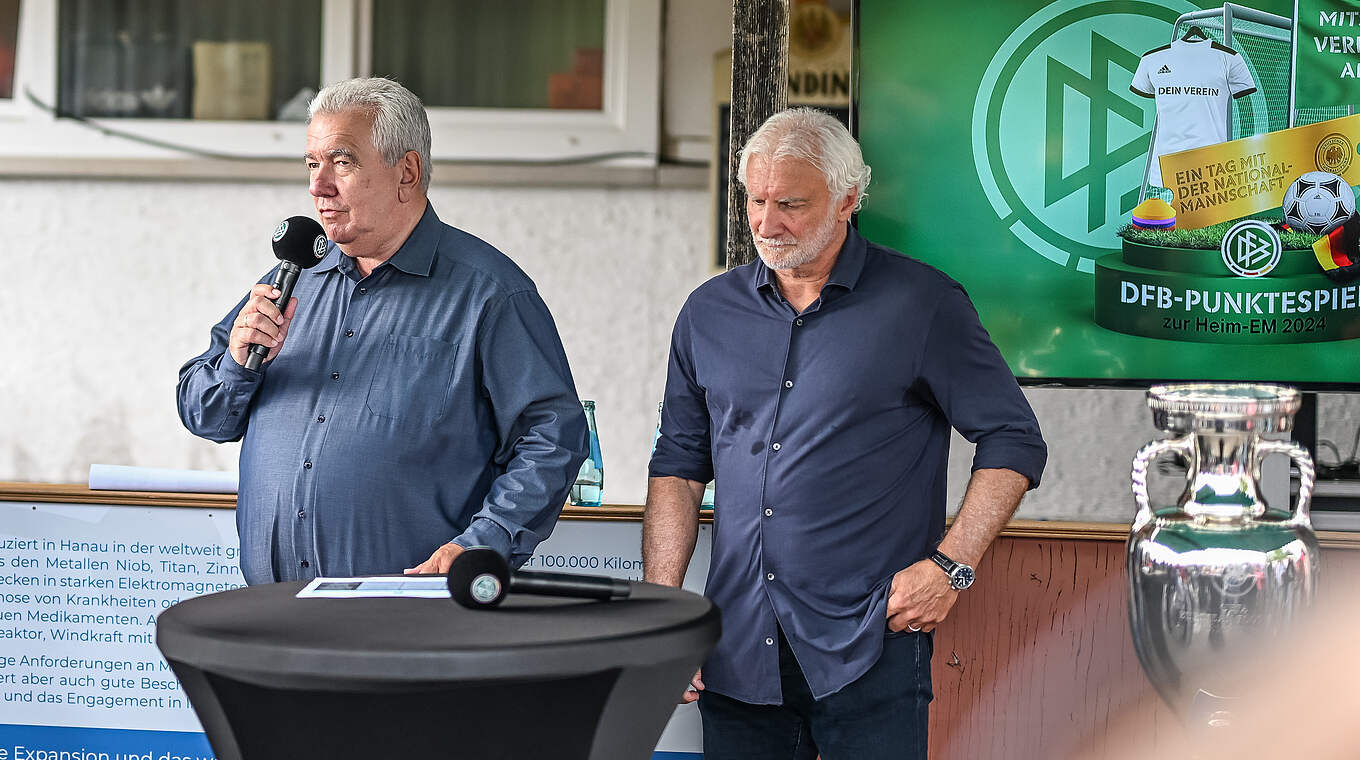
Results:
x,y
961,578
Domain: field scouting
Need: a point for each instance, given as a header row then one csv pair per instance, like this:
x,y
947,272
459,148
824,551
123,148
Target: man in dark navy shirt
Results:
x,y
819,385
416,400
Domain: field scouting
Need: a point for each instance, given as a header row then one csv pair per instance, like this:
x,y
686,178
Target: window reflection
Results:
x,y
188,59
478,54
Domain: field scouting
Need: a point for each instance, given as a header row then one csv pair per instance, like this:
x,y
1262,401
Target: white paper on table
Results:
x,y
422,587
116,477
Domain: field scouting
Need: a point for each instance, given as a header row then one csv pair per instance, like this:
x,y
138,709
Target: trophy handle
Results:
x,y
1143,459
1303,460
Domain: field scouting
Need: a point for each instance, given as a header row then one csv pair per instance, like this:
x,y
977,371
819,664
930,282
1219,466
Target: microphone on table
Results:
x,y
299,243
480,578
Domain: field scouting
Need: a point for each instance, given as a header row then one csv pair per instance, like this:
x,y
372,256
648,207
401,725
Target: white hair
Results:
x,y
399,120
818,138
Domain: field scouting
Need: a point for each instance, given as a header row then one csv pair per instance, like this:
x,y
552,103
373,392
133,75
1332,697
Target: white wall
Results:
x,y
695,31
113,284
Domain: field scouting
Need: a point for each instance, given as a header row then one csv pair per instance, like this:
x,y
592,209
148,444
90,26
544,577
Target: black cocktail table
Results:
x,y
274,676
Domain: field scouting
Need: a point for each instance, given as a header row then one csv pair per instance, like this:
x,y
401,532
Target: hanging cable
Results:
x,y
107,131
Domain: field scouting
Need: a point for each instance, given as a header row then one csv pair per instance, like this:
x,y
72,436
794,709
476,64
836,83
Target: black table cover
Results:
x,y
274,676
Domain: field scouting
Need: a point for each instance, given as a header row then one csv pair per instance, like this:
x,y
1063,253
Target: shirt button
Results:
x,y
788,383
307,465
321,418
769,576
775,447
302,513
798,322
304,563
769,642
349,333
363,291
769,512
335,375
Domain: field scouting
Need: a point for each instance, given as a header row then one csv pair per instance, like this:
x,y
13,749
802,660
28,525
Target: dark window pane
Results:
x,y
185,59
479,54
9,33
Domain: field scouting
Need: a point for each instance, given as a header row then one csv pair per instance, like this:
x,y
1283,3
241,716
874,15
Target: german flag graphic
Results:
x,y
1339,251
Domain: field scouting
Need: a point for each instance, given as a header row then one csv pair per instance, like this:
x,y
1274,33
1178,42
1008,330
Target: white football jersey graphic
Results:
x,y
1192,83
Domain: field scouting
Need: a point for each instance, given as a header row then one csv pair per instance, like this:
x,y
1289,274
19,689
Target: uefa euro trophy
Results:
x,y
1221,572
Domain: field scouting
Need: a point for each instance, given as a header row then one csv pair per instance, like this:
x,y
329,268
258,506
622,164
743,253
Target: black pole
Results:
x,y
760,80
1305,424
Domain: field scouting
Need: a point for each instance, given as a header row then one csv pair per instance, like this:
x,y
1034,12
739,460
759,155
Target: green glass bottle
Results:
x,y
588,491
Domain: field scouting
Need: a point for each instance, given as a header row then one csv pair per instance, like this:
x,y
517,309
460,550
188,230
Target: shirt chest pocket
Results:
x,y
412,379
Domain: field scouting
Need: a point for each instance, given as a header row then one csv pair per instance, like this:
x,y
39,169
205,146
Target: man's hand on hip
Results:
x,y
920,598
439,561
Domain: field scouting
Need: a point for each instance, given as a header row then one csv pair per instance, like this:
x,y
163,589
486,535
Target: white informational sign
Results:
x,y
80,588
116,477
614,548
371,587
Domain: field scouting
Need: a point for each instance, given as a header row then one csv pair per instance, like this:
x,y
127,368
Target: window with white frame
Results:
x,y
512,81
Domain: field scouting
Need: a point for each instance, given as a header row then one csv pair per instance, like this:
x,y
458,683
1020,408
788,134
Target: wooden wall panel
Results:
x,y
1036,659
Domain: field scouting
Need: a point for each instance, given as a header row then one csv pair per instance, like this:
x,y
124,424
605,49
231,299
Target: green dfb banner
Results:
x,y
1327,53
1009,151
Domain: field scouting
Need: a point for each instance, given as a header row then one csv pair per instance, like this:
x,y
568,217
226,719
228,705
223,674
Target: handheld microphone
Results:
x,y
479,578
299,243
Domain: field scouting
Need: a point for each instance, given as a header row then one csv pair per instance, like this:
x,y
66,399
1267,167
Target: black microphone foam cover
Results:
x,y
301,241
479,577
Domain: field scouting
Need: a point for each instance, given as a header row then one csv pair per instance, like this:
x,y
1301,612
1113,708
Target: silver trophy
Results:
x,y
1220,571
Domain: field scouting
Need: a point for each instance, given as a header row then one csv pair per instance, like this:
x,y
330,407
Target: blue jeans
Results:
x,y
883,714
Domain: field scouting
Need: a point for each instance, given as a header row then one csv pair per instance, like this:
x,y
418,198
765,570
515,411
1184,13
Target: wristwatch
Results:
x,y
960,575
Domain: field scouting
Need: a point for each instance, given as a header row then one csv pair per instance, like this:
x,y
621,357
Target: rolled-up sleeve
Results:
x,y
683,449
539,423
974,388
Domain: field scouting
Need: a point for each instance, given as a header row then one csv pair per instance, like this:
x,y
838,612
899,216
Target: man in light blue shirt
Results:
x,y
416,399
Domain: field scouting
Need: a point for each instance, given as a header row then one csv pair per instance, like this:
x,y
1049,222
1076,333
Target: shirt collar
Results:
x,y
415,256
844,273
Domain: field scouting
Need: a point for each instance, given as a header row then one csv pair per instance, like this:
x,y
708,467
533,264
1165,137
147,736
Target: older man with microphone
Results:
x,y
414,399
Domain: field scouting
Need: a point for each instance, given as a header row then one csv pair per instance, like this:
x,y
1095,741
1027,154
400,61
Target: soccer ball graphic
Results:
x,y
1318,202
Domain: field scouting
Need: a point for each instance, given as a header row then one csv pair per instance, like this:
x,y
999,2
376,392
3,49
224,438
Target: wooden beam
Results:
x,y
760,81
1052,530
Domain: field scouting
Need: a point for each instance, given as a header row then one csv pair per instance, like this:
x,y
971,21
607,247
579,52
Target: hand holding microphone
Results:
x,y
261,325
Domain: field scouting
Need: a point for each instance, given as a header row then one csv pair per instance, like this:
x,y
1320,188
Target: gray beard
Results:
x,y
799,256
805,251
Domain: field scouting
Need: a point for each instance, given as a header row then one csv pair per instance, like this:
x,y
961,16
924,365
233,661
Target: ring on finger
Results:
x,y
913,628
